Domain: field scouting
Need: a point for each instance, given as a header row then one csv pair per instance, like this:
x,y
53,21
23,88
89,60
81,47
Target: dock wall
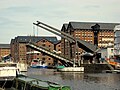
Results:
x,y
95,68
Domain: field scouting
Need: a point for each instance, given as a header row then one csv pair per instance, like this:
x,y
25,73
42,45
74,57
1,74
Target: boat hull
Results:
x,y
6,83
39,66
72,69
27,83
8,72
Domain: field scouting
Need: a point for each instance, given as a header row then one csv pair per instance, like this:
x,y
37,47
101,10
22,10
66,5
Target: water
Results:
x,y
78,81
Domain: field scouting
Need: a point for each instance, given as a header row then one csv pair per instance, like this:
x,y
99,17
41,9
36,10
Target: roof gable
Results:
x,y
64,27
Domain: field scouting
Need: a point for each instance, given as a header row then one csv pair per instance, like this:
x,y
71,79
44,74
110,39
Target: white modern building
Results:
x,y
117,40
107,52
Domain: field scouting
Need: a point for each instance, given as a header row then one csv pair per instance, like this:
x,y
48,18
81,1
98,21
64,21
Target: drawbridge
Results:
x,y
88,47
42,49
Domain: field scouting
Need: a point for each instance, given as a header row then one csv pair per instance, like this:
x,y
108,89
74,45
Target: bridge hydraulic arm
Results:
x,y
55,31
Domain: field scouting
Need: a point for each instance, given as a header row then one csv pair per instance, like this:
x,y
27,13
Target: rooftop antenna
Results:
x,y
33,30
37,30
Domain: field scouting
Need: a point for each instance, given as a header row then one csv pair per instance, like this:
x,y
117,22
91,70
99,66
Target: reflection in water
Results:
x,y
78,81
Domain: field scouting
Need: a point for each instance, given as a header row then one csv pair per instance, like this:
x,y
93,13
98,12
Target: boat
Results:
x,y
38,64
28,83
70,69
8,72
74,68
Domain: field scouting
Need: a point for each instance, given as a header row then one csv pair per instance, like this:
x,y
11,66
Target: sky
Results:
x,y
17,16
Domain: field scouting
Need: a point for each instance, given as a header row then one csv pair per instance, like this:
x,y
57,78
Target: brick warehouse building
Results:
x,y
19,51
100,34
4,50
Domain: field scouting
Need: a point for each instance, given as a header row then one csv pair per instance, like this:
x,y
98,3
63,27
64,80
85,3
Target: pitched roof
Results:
x,y
64,27
88,25
26,39
12,41
4,45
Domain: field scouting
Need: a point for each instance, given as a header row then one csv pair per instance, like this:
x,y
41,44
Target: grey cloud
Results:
x,y
18,9
5,22
14,10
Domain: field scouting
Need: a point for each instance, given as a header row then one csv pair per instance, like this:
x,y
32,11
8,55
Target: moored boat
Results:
x,y
71,69
38,64
27,83
75,68
8,72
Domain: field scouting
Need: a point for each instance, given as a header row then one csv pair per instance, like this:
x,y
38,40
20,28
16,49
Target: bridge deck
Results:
x,y
63,60
88,47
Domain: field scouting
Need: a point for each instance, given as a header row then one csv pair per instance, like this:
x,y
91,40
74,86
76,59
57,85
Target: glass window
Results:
x,y
43,41
37,53
43,44
111,50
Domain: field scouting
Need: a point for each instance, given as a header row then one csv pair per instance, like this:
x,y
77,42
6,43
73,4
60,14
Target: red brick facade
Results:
x,y
84,31
21,52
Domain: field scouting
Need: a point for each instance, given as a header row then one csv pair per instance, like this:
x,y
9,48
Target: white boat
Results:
x,y
71,69
8,71
38,64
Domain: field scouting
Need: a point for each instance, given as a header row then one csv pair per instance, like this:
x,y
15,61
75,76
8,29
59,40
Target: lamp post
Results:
x,y
96,30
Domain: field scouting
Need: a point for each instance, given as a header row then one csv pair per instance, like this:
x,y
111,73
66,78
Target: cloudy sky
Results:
x,y
17,16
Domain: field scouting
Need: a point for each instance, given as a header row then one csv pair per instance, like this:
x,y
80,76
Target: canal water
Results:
x,y
78,81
